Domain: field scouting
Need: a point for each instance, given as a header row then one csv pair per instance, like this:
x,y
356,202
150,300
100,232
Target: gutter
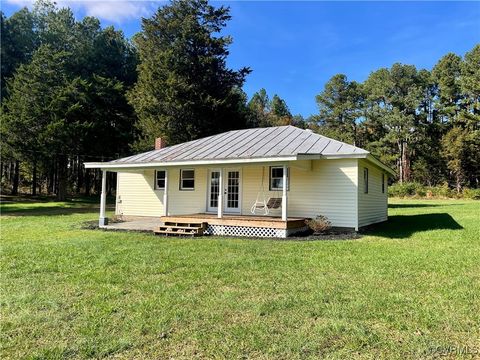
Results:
x,y
113,165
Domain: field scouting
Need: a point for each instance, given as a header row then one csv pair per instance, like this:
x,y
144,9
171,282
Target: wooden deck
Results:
x,y
238,220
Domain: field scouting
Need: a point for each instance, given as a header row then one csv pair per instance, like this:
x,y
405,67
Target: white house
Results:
x,y
252,182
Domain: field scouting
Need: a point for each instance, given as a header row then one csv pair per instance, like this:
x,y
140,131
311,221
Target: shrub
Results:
x,y
471,194
421,191
319,225
406,189
440,191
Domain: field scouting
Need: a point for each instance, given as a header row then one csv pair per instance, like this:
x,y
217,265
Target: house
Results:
x,y
251,182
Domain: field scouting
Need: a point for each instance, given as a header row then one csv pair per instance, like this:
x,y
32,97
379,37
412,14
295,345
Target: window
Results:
x,y
187,179
365,180
160,179
383,183
276,178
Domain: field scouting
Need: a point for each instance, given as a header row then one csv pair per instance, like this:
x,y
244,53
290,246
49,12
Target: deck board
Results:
x,y
239,220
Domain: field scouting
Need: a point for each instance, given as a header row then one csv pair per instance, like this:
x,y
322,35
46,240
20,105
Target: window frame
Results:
x,y
383,183
181,178
155,179
270,177
365,180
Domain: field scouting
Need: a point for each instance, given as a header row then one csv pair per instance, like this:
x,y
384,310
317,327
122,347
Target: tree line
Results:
x,y
73,91
426,124
63,98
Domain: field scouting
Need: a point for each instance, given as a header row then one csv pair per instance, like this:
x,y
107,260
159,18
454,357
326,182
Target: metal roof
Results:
x,y
271,142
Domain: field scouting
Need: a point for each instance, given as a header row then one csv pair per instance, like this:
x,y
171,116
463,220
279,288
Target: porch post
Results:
x,y
284,195
220,195
165,194
103,199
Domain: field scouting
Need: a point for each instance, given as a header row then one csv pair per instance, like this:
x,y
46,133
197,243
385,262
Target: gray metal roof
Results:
x,y
268,142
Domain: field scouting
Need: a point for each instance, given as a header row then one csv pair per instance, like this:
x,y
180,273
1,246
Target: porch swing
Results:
x,y
261,203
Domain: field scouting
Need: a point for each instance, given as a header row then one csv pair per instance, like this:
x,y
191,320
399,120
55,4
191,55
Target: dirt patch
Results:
x,y
90,225
330,235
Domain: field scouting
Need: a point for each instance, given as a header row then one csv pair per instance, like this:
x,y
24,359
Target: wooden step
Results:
x,y
182,229
185,224
182,226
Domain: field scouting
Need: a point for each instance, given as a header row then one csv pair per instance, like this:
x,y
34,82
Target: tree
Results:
x,y
29,121
395,96
339,107
185,89
279,112
470,79
446,74
18,42
76,81
265,112
455,151
259,106
470,115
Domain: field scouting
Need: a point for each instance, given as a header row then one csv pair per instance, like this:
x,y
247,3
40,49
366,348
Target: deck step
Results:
x,y
181,229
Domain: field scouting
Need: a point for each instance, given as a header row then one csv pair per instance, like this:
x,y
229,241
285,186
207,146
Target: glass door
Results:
x,y
232,191
213,189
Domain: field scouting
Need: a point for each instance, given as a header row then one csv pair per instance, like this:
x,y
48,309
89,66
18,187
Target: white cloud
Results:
x,y
110,10
116,11
20,3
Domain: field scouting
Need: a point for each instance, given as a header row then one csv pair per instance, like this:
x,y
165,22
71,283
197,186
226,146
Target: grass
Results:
x,y
407,289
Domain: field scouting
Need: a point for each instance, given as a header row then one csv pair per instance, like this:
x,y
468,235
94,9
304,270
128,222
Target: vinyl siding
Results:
x,y
318,187
372,207
327,187
136,194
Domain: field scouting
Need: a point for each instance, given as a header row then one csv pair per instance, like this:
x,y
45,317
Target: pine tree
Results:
x,y
185,89
339,107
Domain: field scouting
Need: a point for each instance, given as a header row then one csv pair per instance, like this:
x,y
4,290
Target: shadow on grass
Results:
x,y
53,210
403,226
406,206
27,205
47,211
30,199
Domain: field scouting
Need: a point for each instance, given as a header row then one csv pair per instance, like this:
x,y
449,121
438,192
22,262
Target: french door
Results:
x,y
213,189
231,190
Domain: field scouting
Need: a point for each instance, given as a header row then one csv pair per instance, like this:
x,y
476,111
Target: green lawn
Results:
x,y
408,289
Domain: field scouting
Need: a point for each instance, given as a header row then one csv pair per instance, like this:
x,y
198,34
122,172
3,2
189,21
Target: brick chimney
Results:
x,y
160,143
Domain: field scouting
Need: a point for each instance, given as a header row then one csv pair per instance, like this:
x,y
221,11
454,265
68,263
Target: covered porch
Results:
x,y
233,199
226,199
216,192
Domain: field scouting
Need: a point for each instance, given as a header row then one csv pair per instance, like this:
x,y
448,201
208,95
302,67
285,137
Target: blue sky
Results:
x,y
293,48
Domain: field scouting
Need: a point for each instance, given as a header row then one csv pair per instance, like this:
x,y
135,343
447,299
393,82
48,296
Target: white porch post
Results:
x,y
165,194
220,195
103,199
284,194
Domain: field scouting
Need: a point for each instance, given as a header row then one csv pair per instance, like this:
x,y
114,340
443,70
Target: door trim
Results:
x,y
225,188
209,189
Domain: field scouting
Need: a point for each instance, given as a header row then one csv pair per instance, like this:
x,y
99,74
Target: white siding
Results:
x,y
326,188
319,187
136,194
372,207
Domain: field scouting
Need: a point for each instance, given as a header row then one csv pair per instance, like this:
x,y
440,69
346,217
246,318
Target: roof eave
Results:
x,y
366,156
377,162
125,166
117,165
